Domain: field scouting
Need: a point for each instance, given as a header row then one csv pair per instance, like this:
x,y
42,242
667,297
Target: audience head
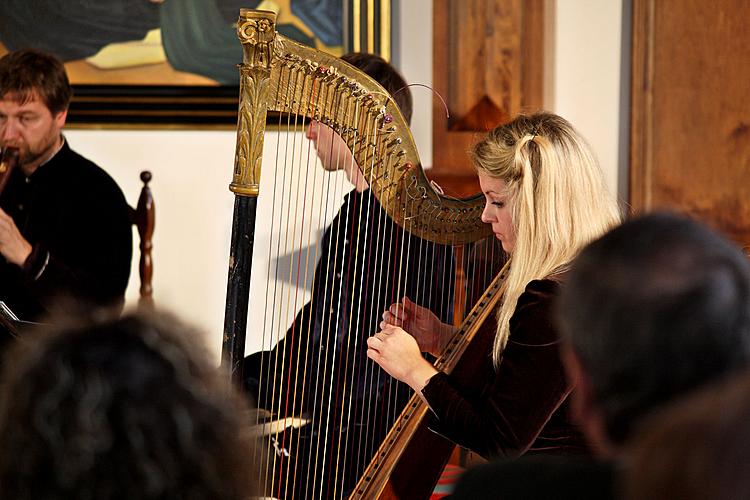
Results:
x,y
653,309
34,98
545,198
331,148
694,449
123,408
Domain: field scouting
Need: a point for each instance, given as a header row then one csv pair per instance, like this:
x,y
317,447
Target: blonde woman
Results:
x,y
546,199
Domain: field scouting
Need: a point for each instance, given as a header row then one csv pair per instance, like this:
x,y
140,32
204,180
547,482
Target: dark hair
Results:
x,y
655,308
696,448
386,75
124,408
27,72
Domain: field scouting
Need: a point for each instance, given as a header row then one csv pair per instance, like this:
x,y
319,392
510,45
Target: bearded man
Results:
x,y
64,223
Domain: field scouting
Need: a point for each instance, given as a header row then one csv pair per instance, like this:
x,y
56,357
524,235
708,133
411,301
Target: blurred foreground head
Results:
x,y
125,408
696,448
653,309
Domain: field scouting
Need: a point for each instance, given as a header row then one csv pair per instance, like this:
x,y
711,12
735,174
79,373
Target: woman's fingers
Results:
x,y
382,336
375,346
398,312
396,351
376,341
408,305
390,329
394,316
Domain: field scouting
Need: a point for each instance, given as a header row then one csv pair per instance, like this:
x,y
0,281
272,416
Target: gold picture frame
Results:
x,y
172,63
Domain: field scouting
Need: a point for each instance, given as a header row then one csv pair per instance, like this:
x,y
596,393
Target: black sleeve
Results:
x,y
89,255
510,406
560,478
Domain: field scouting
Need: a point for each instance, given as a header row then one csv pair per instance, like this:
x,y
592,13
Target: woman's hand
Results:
x,y
398,354
431,334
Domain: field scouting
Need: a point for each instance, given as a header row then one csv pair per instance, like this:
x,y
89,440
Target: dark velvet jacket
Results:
x,y
561,478
523,406
77,221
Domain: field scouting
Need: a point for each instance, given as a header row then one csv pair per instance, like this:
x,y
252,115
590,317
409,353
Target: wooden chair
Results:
x,y
143,216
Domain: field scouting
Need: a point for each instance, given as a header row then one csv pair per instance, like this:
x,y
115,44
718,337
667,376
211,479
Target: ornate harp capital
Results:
x,y
257,32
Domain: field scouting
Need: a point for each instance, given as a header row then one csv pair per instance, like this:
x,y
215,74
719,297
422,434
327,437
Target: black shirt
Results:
x,y
77,221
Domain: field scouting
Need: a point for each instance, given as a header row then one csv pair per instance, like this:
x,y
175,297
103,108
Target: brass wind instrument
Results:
x,y
8,162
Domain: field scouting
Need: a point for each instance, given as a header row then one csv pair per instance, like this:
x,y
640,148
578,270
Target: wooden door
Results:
x,y
488,58
690,128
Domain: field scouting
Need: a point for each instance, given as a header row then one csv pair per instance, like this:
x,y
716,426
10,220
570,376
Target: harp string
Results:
x,y
346,392
293,336
276,401
394,386
381,414
325,420
343,338
309,165
377,284
362,305
394,252
268,335
317,395
352,318
398,270
301,392
289,470
359,320
352,321
389,241
326,271
291,249
364,289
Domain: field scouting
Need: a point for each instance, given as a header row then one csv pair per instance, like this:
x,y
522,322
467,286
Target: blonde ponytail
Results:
x,y
558,200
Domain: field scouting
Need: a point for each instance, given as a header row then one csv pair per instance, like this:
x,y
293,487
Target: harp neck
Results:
x,y
283,76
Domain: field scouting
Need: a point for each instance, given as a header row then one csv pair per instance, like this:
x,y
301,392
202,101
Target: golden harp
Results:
x,y
345,456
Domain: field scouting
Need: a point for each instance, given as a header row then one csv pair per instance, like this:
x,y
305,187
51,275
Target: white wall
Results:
x,y
585,87
192,169
191,172
415,63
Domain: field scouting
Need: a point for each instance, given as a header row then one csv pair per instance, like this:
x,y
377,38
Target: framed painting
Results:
x,y
173,63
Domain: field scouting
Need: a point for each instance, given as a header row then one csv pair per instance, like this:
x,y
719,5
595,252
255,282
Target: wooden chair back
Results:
x,y
143,216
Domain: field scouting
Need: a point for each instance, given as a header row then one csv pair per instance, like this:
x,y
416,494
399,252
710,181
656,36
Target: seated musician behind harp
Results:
x,y
364,261
64,226
545,198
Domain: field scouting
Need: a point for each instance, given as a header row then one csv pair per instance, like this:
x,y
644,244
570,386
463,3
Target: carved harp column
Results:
x,y
256,35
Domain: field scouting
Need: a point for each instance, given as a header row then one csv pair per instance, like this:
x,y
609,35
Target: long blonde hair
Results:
x,y
558,200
